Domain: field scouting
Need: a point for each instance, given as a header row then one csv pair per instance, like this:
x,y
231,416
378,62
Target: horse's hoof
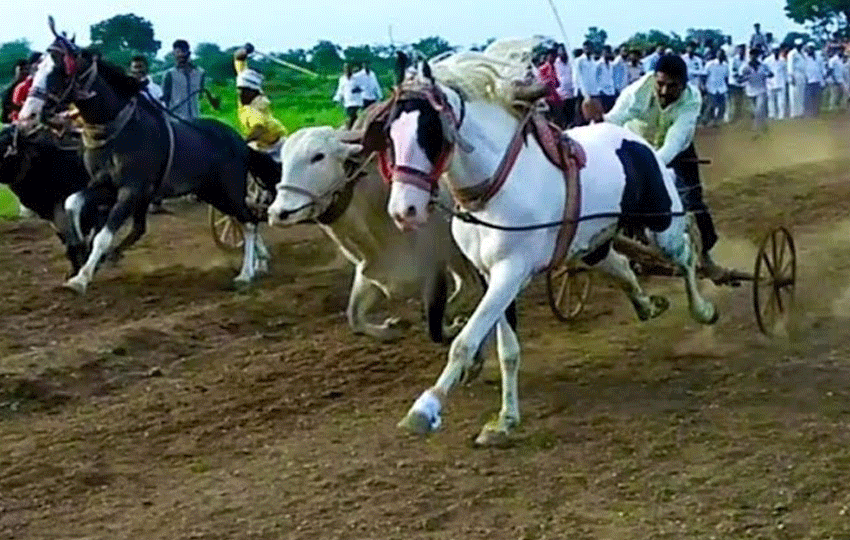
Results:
x,y
417,423
660,305
715,316
241,285
493,437
76,285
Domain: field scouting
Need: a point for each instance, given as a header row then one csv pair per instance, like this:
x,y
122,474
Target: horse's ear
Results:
x,y
401,63
426,71
74,39
52,24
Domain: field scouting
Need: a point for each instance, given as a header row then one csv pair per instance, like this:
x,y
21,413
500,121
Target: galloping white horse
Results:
x,y
324,179
622,174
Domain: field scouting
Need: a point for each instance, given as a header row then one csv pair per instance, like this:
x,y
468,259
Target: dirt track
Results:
x,y
164,405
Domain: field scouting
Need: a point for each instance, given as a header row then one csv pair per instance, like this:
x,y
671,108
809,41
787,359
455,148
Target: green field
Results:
x,y
8,203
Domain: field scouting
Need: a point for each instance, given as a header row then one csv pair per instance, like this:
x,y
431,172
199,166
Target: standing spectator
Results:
x,y
371,87
758,40
620,70
21,71
651,59
835,70
349,93
183,83
846,103
139,71
755,74
22,90
634,69
566,88
694,63
547,76
777,86
605,80
727,47
796,80
814,82
735,104
585,77
770,45
717,88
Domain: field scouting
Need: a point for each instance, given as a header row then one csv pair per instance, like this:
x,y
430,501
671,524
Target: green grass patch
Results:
x,y
8,203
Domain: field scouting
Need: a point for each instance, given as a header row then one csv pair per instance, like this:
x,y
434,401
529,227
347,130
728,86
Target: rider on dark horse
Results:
x,y
664,109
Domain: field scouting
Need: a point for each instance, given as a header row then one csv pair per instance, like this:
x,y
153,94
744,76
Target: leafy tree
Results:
x,y
10,53
124,34
432,46
359,53
649,40
325,56
794,36
705,35
823,15
218,64
596,36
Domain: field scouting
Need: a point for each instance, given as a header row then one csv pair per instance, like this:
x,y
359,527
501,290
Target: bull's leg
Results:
x,y
249,257
363,297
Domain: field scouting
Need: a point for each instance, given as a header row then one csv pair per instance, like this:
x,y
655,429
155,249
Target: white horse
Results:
x,y
324,178
474,93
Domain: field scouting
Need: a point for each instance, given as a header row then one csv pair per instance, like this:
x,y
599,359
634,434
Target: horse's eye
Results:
x,y
317,158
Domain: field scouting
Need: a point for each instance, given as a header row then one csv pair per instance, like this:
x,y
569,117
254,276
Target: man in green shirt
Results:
x,y
664,109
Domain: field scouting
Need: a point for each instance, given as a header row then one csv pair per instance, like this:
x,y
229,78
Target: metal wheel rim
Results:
x,y
226,231
774,279
568,289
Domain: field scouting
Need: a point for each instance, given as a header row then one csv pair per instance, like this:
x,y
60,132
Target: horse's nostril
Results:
x,y
411,211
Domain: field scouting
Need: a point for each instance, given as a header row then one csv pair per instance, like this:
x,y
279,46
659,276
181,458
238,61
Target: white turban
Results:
x,y
249,78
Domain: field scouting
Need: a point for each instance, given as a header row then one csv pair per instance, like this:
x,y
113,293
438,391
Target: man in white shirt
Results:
x,y
694,63
605,79
620,68
815,81
349,93
371,87
139,71
777,86
651,59
755,74
634,69
735,104
846,103
837,76
717,88
585,75
796,79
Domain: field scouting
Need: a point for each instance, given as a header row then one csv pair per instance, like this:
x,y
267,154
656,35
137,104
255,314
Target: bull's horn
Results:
x,y
52,24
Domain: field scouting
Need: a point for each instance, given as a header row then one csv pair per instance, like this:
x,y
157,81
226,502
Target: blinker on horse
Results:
x,y
133,148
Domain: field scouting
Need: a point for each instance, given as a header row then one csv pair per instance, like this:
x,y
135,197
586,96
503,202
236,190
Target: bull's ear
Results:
x,y
401,63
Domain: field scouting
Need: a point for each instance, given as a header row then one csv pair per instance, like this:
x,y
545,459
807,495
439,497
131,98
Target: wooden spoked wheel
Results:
x,y
226,231
774,280
568,288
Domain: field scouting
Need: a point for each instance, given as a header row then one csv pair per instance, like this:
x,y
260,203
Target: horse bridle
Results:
x,y
450,123
332,194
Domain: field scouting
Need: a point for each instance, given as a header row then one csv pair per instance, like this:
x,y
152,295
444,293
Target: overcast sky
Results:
x,y
284,24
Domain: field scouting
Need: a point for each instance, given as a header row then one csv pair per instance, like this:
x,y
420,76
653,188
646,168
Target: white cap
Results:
x,y
798,41
249,79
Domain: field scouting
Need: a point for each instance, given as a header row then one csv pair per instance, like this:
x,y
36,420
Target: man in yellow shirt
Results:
x,y
262,130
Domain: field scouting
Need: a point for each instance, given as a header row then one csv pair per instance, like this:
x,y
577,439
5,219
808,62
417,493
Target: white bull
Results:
x,y
388,262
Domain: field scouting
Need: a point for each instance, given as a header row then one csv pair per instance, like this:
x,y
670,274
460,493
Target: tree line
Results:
x,y
120,37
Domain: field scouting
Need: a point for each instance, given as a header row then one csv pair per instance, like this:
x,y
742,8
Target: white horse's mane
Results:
x,y
489,75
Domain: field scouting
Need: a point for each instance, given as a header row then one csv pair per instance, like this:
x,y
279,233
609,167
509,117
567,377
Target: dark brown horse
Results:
x,y
139,152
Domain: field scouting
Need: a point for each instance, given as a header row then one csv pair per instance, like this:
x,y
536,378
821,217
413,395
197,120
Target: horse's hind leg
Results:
x,y
263,255
140,219
126,204
617,266
677,244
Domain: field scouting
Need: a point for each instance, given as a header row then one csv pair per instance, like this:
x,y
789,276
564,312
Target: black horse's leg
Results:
x,y
140,220
127,202
434,297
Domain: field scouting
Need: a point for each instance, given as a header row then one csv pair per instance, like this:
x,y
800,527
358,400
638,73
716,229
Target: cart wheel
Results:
x,y
226,231
568,288
774,280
